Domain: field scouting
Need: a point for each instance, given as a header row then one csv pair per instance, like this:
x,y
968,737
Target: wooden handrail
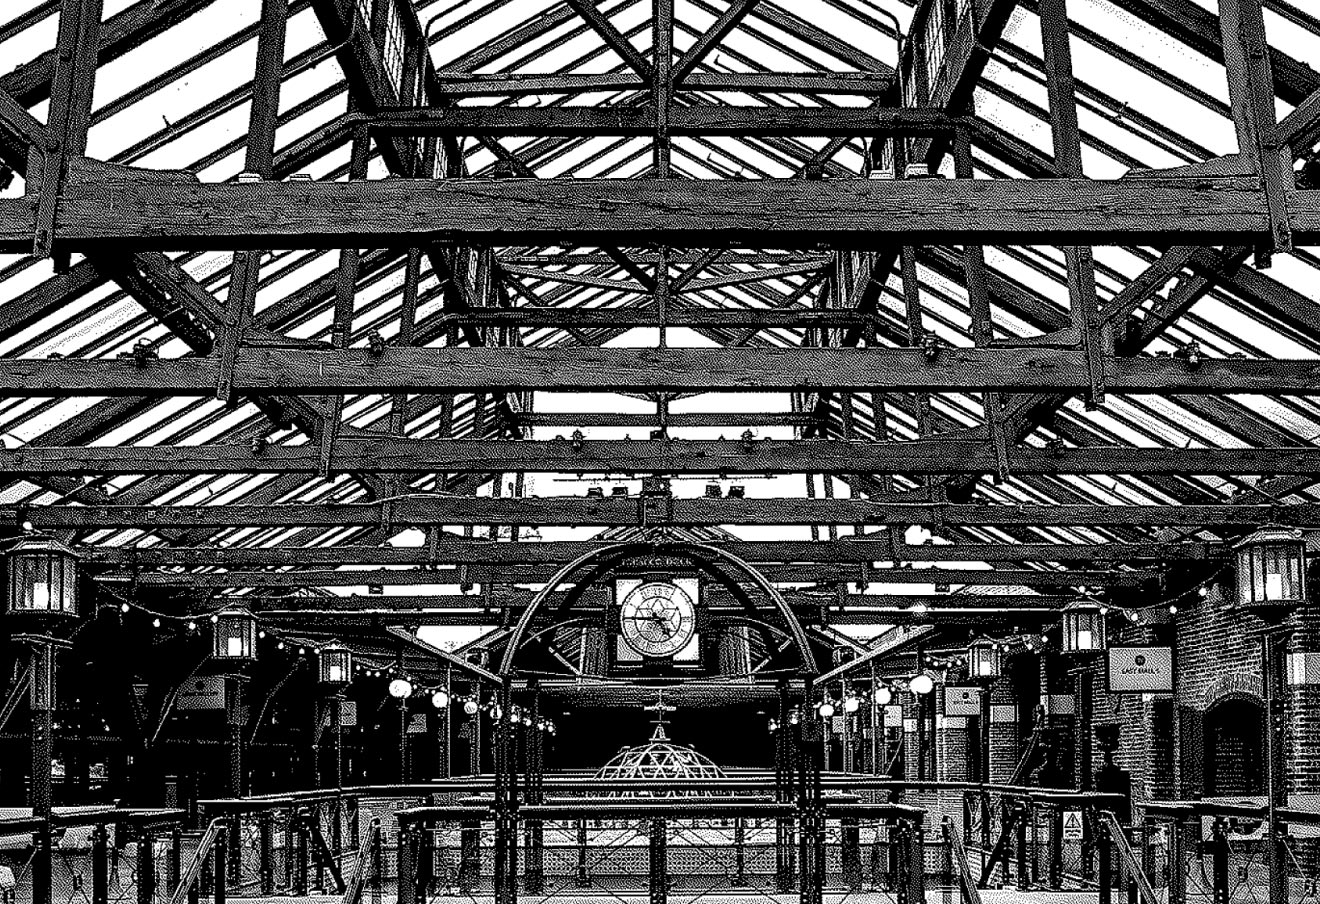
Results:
x,y
194,870
1128,858
971,894
353,893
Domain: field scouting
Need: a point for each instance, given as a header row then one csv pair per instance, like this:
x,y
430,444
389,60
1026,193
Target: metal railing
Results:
x,y
102,855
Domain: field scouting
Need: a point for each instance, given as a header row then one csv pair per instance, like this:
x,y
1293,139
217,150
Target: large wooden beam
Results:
x,y
105,211
623,511
613,318
366,453
712,120
963,609
458,552
458,85
449,370
539,574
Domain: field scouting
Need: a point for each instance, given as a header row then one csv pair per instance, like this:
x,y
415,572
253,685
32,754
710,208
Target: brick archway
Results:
x,y
1237,684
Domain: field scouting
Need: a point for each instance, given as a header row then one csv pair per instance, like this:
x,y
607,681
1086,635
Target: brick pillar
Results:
x,y
1302,673
1005,731
1302,741
911,734
1060,720
954,745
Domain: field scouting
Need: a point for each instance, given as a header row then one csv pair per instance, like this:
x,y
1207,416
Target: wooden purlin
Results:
x,y
263,371
452,549
626,512
137,213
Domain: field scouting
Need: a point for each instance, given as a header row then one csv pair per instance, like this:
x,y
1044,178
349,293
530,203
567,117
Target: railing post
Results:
x,y
41,864
337,828
1219,861
146,866
1105,871
583,877
785,855
407,871
740,854
220,856
377,863
175,865
354,824
469,855
290,843
265,828
851,853
100,864
534,866
946,858
899,862
917,854
424,865
1056,847
659,861
880,861
301,883
1177,875
314,825
235,839
1022,815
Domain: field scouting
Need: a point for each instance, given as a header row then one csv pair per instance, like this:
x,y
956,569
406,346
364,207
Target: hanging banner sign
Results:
x,y
1141,670
962,701
201,693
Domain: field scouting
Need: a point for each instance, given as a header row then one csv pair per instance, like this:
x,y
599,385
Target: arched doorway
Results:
x,y
1233,740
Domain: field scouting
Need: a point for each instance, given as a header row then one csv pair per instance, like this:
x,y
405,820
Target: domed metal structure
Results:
x,y
659,758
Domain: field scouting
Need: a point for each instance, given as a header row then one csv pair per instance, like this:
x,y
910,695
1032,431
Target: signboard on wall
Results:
x,y
201,693
1141,670
962,701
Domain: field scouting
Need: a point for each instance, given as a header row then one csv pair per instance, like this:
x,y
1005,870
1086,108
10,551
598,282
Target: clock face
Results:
x,y
657,619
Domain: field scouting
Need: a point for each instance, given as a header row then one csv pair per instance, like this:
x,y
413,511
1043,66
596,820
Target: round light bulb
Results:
x,y
155,623
123,607
825,710
883,695
850,704
922,684
439,699
401,688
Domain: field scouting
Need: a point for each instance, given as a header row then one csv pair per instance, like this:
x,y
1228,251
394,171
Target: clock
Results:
x,y
657,619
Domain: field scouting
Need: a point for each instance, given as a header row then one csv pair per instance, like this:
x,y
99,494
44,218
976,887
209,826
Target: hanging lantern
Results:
x,y
43,578
470,707
984,659
235,638
1271,567
439,699
401,688
825,710
336,665
851,704
882,695
922,684
1083,628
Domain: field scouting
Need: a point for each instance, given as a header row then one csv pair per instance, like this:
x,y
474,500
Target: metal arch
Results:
x,y
696,552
